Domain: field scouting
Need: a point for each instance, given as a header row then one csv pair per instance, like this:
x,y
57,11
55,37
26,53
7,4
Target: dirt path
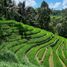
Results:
x,y
37,57
27,60
51,63
63,54
43,57
59,57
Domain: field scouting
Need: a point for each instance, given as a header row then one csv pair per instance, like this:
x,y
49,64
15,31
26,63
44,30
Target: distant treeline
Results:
x,y
42,17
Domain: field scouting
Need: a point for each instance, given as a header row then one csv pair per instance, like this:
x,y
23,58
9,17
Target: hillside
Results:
x,y
25,46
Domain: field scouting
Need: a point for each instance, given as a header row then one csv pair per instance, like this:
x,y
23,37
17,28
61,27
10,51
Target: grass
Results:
x,y
40,53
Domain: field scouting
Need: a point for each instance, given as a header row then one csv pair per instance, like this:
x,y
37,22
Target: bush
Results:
x,y
8,56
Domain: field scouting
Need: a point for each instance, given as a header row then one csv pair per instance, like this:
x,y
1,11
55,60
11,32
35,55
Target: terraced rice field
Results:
x,y
33,45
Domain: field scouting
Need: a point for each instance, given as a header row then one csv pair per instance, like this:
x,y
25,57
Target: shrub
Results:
x,y
8,56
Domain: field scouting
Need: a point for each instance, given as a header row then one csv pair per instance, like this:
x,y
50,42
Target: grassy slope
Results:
x,y
23,46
